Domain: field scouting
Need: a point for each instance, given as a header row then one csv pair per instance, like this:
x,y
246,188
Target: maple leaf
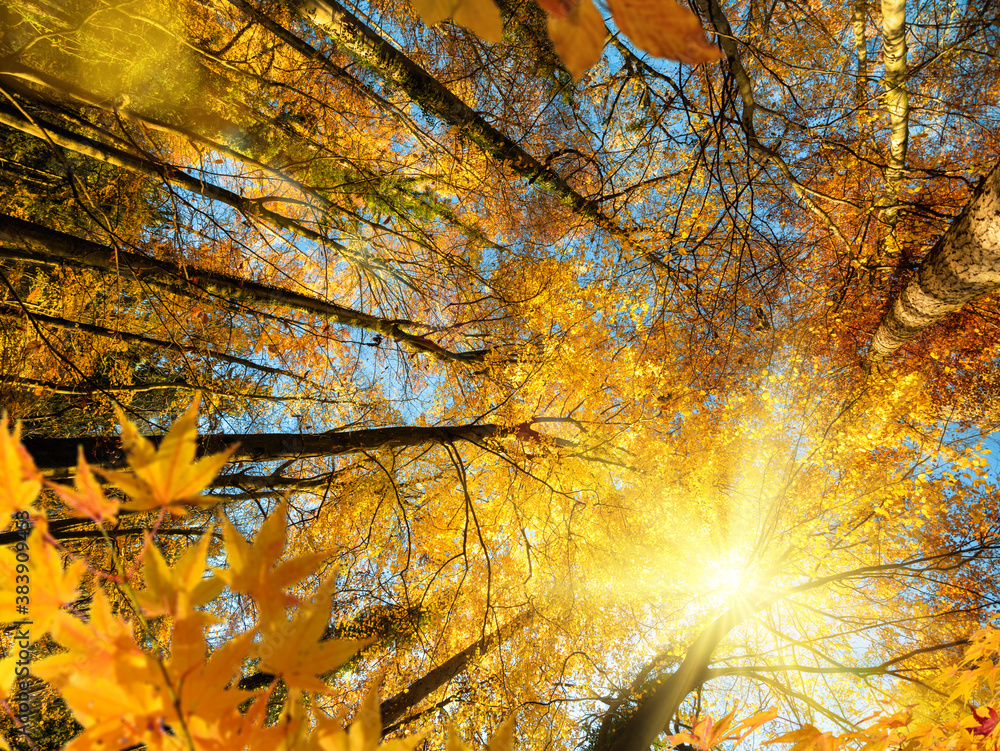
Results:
x,y
250,569
578,37
209,703
58,586
557,8
664,28
86,499
295,649
178,590
167,477
808,738
707,733
116,690
20,481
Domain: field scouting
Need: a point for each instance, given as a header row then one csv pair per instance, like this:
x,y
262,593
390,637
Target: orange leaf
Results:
x,y
250,568
578,37
296,650
86,499
557,8
665,29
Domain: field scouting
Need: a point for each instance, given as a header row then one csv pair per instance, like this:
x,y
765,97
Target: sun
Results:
x,y
727,576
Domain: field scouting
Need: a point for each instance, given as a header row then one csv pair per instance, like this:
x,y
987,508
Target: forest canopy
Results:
x,y
564,375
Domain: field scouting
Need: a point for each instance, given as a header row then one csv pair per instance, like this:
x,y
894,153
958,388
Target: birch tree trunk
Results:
x,y
859,20
897,102
964,263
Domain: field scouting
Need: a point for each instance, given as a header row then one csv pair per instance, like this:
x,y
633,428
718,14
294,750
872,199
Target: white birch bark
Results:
x,y
897,102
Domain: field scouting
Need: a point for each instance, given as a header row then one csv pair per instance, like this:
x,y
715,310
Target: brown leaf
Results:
x,y
665,29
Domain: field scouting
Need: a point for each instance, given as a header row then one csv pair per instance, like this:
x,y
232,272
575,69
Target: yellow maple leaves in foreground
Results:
x,y
663,28
123,684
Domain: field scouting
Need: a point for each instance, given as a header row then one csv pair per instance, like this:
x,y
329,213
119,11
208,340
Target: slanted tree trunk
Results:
x,y
12,311
57,456
437,100
657,708
25,241
396,707
393,708
964,263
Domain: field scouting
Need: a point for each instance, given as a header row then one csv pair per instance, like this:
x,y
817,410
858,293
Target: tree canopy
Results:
x,y
565,375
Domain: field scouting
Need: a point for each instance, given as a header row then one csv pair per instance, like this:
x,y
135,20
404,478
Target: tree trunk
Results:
x,y
896,101
57,456
964,263
859,21
434,98
172,176
394,708
45,246
656,710
12,311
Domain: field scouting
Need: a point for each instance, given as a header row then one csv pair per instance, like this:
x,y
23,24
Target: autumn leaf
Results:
x,y
177,590
557,8
253,570
116,690
578,37
170,476
20,481
807,738
665,29
60,584
295,649
86,499
481,17
503,737
987,719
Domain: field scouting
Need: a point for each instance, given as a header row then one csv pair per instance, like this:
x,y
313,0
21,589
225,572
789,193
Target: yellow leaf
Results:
x,y
170,476
366,729
578,38
663,28
52,586
250,567
481,17
19,479
434,11
178,590
296,651
503,738
86,499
